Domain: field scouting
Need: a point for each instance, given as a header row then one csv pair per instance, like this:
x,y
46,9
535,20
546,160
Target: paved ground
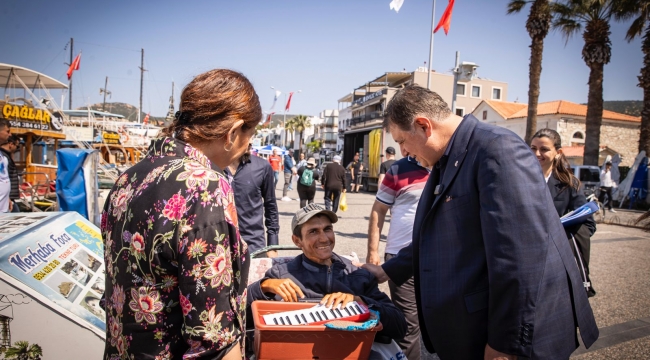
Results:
x,y
620,272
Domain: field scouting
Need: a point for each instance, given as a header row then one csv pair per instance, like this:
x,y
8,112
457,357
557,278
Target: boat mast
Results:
x,y
142,70
70,82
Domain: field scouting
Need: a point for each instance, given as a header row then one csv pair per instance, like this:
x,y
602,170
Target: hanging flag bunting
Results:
x,y
396,5
288,102
268,119
275,99
74,66
445,20
146,119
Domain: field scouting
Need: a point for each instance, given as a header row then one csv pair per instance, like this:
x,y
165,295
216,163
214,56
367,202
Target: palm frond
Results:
x,y
636,28
515,6
567,27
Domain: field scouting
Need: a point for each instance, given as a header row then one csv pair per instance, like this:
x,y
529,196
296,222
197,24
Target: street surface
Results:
x,y
620,272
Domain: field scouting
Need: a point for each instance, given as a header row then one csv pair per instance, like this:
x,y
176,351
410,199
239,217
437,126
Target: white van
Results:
x,y
589,176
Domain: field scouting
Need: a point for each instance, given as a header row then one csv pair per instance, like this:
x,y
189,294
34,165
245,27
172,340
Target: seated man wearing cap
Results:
x,y
320,273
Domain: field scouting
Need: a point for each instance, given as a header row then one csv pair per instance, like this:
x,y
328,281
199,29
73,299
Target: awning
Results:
x,y
43,133
31,78
368,129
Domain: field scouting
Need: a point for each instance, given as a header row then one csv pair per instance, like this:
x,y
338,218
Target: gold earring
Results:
x,y
228,149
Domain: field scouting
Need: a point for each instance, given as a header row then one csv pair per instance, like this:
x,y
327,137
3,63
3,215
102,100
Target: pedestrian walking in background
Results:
x,y
333,183
252,182
355,168
302,161
307,177
565,192
276,164
293,170
495,277
606,186
289,170
8,149
5,181
399,192
172,248
390,160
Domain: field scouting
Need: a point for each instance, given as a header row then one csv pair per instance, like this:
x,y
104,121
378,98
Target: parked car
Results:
x,y
589,176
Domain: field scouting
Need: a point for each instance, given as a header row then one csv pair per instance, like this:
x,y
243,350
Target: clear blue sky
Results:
x,y
324,48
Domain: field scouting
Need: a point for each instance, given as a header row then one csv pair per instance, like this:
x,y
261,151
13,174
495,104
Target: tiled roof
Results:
x,y
564,107
506,109
579,150
573,151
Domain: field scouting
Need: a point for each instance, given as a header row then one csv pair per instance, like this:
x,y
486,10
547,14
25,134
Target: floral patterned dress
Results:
x,y
176,265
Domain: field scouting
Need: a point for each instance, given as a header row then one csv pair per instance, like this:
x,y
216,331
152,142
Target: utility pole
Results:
x,y
456,72
433,21
105,91
142,70
70,82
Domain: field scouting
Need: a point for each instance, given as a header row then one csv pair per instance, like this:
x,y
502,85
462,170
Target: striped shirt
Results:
x,y
401,190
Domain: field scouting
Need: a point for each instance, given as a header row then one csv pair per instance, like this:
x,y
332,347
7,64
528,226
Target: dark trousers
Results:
x,y
287,182
306,194
332,198
606,190
404,299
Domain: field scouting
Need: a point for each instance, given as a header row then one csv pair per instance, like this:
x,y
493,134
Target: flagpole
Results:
x,y
433,20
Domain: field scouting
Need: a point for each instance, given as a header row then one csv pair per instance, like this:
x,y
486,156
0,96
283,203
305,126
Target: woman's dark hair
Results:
x,y
561,166
211,103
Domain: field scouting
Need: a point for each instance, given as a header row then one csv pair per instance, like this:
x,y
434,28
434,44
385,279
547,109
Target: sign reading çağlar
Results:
x,y
61,259
27,117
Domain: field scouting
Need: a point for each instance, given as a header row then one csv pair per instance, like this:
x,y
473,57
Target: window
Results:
x,y
484,114
460,111
476,91
496,93
460,89
578,138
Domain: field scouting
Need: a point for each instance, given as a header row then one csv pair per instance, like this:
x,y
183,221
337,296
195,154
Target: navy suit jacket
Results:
x,y
491,260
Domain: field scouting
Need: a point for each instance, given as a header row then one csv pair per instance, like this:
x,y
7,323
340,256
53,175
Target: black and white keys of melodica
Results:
x,y
318,314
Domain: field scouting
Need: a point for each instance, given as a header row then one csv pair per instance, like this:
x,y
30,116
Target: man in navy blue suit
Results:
x,y
495,277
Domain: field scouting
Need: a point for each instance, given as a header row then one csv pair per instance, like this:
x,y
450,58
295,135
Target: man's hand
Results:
x,y
377,271
333,300
491,354
272,253
373,258
322,187
285,288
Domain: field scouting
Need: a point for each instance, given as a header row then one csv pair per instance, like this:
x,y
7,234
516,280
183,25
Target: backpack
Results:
x,y
307,177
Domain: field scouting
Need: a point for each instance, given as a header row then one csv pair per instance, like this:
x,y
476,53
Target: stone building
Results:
x,y
619,133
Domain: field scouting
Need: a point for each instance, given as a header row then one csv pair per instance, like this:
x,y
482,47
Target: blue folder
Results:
x,y
579,215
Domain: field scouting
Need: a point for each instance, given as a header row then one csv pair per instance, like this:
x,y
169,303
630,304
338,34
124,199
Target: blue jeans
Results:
x,y
276,176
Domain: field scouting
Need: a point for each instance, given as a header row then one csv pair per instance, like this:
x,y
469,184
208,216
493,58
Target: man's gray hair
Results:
x,y
413,101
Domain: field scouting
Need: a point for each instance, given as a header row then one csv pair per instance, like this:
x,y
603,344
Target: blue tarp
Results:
x,y
70,181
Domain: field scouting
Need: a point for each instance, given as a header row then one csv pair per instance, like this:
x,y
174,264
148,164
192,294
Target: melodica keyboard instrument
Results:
x,y
319,315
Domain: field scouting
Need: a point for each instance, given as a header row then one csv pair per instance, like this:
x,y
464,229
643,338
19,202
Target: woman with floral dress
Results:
x,y
176,265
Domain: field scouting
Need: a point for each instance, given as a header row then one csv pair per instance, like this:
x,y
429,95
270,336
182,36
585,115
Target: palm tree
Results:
x,y
21,350
301,122
640,11
594,15
537,25
290,128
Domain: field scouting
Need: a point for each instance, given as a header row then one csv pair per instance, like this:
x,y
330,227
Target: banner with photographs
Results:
x,y
58,258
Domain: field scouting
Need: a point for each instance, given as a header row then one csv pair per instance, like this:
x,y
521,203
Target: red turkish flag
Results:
x,y
445,20
74,66
146,119
288,102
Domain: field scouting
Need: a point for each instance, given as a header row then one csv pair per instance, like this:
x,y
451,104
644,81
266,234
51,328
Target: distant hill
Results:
x,y
629,107
129,112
